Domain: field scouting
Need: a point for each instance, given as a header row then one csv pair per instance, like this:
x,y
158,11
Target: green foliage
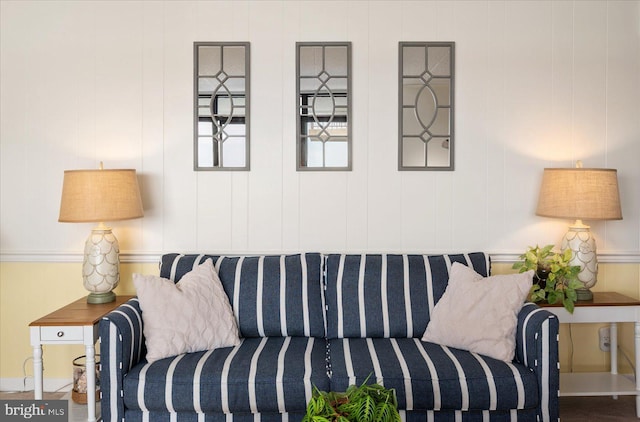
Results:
x,y
364,403
562,280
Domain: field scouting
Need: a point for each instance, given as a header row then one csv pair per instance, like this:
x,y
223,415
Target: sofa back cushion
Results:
x,y
277,295
388,295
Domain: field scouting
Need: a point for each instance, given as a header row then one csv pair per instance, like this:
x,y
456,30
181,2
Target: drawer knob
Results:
x,y
60,333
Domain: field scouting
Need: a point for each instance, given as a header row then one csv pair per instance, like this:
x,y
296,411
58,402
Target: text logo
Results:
x,y
34,410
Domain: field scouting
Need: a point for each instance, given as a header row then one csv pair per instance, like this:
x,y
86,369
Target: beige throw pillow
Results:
x,y
479,314
189,316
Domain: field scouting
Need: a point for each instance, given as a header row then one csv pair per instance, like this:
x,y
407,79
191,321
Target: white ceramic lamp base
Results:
x,y
101,265
583,248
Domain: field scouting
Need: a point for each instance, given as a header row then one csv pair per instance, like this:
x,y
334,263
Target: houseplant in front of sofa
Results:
x,y
556,280
364,403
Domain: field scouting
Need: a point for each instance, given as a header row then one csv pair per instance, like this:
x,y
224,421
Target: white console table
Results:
x,y
612,308
76,323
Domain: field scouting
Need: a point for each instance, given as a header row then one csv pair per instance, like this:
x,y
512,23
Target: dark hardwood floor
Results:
x,y
587,409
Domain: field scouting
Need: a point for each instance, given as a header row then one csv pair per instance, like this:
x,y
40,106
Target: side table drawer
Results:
x,y
62,333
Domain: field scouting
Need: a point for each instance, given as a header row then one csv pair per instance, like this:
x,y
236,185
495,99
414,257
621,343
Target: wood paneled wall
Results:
x,y
539,84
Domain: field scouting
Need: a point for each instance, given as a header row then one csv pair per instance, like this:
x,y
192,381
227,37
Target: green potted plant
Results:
x,y
364,403
555,279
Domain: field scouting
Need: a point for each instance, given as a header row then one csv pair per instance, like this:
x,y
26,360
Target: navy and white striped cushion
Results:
x,y
274,374
429,376
278,295
388,295
527,415
512,415
135,415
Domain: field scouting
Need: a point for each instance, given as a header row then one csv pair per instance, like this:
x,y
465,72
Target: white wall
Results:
x,y
537,84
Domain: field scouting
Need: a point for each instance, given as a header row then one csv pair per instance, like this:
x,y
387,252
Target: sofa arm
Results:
x,y
121,347
537,348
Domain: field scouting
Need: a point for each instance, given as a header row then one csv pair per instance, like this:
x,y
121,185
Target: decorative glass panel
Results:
x,y
324,106
426,106
221,106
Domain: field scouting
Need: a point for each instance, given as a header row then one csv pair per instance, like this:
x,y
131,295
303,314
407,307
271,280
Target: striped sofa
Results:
x,y
328,321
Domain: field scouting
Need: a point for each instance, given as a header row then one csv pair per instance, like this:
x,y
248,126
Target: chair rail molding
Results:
x,y
605,257
62,257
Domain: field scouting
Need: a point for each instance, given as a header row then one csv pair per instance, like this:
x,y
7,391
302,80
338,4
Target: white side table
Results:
x,y
76,323
605,307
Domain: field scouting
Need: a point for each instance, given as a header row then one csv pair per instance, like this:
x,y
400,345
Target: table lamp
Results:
x,y
99,196
580,194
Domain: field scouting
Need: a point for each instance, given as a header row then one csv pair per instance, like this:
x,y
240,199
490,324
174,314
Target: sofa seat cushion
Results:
x,y
428,376
140,416
525,415
271,374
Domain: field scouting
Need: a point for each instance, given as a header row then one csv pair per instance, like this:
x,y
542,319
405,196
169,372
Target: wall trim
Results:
x,y
70,257
606,257
137,257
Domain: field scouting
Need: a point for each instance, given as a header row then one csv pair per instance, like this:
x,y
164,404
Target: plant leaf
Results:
x,y
570,294
349,408
575,284
538,296
568,304
383,412
311,407
367,409
544,252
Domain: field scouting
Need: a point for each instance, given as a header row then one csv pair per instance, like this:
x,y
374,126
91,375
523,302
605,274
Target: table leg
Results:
x,y
37,371
91,382
613,347
637,361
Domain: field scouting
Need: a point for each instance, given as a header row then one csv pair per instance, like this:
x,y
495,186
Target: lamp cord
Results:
x,y
571,349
